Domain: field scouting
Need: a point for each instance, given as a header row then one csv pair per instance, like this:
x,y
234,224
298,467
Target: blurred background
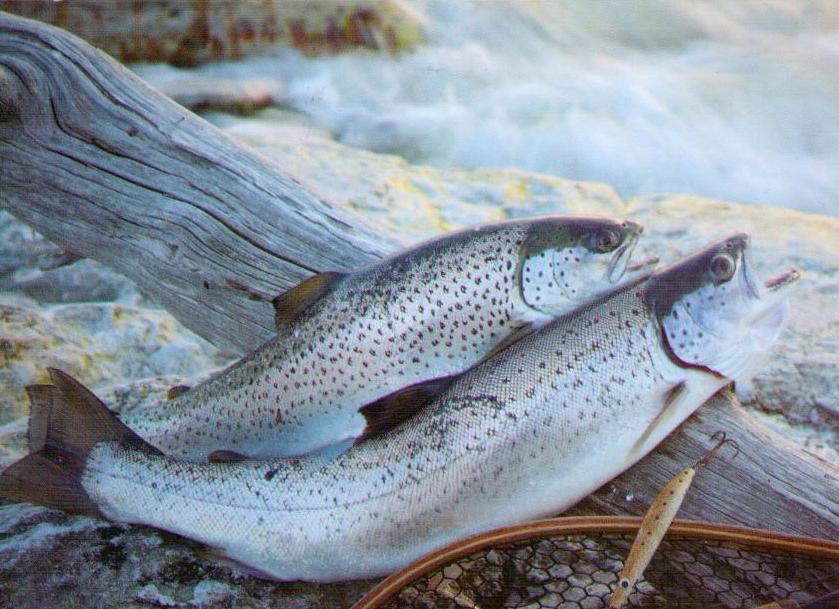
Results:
x,y
736,100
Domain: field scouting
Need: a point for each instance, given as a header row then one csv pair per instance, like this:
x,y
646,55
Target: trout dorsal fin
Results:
x,y
177,391
289,304
391,410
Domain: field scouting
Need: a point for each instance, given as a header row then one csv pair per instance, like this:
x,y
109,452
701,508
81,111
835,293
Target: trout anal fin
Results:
x,y
290,304
66,422
391,410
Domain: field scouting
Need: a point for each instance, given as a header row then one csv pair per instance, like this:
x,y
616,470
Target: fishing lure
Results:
x,y
657,521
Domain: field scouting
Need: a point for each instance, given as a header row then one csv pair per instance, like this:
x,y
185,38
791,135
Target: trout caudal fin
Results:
x,y
65,423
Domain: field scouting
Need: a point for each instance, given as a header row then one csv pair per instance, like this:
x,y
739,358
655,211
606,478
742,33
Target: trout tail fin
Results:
x,y
65,423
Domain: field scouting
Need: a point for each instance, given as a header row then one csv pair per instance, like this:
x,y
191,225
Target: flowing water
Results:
x,y
736,100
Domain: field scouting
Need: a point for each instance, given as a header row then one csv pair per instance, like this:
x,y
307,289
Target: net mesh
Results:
x,y
580,572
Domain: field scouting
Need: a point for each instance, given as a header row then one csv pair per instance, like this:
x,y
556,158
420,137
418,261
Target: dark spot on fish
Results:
x,y
269,475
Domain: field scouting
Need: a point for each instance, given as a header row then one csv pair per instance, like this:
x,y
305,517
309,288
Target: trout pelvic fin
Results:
x,y
66,422
389,411
289,305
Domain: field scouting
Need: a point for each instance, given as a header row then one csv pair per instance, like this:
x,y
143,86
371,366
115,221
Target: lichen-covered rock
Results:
x,y
100,343
194,31
234,92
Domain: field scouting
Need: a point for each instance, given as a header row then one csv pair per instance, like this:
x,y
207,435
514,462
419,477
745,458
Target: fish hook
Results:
x,y
723,440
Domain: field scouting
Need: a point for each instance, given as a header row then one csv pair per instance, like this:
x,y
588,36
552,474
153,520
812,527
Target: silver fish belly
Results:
x,y
431,312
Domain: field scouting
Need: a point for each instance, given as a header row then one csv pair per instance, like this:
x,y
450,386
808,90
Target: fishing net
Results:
x,y
579,571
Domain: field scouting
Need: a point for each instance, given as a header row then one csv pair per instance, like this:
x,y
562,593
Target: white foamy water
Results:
x,y
738,100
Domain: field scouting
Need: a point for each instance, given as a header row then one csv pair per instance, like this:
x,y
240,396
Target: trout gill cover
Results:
x,y
524,434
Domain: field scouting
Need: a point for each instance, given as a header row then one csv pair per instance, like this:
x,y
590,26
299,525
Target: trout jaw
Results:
x,y
782,282
729,319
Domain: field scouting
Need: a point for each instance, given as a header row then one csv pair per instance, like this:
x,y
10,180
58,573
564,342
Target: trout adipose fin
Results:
x,y
289,304
67,421
226,456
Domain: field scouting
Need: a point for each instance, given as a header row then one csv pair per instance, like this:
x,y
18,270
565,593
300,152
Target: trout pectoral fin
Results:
x,y
226,456
288,305
389,411
669,404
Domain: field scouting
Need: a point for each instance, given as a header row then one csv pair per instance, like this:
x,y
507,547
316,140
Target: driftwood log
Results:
x,y
108,168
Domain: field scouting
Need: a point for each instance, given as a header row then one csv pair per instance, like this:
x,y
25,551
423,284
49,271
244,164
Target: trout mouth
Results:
x,y
619,262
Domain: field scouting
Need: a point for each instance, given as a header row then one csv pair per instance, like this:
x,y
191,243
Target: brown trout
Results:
x,y
428,313
524,434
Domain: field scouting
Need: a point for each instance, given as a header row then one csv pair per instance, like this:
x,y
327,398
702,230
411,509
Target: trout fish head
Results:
x,y
714,312
566,263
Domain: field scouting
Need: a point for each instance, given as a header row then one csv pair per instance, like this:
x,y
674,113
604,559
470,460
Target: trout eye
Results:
x,y
722,267
606,241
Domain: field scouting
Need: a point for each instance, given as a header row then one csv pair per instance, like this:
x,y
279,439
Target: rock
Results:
x,y
101,343
189,33
233,92
43,271
21,247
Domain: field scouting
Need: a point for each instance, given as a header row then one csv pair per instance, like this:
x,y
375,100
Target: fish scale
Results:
x,y
429,313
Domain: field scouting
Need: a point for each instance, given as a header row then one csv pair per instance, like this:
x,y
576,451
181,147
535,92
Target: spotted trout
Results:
x,y
346,340
522,435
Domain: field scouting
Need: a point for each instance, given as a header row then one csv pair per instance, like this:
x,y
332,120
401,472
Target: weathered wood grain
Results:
x,y
97,161
110,169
